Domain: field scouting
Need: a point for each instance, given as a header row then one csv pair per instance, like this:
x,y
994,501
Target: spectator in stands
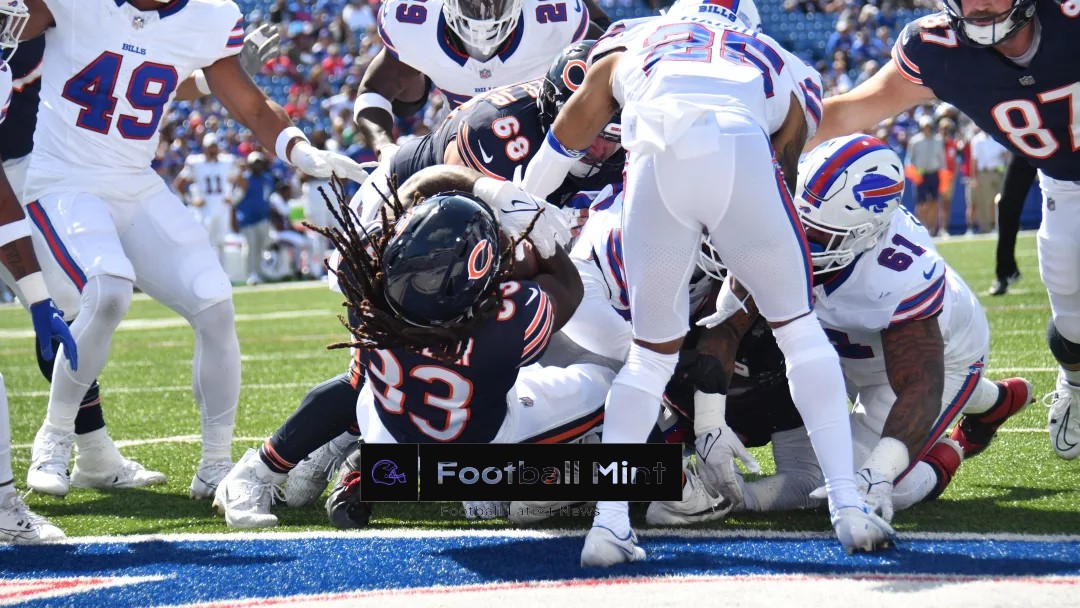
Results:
x,y
868,69
840,40
988,160
885,18
926,154
358,15
251,213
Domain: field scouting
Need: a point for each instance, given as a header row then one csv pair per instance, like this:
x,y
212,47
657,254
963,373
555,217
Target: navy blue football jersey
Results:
x,y
17,130
423,400
1033,111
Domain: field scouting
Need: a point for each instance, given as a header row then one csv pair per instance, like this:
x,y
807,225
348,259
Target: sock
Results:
x,y
98,448
328,410
7,478
986,396
1072,376
90,417
105,301
215,378
270,458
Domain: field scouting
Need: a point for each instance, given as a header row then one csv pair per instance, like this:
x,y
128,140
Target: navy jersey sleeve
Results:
x,y
919,46
525,321
501,131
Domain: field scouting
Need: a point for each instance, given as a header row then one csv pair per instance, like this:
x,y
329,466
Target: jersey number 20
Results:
x,y
149,88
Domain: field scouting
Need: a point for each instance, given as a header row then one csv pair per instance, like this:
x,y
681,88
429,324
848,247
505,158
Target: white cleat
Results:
x,y
860,529
246,494
603,548
48,473
207,477
697,505
1064,419
310,476
529,512
21,526
126,474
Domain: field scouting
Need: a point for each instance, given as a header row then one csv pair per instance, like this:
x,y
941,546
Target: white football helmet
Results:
x,y
848,188
13,18
482,24
741,12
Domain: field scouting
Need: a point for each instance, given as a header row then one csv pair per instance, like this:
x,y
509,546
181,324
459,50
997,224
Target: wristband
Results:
x,y
200,82
890,458
33,288
560,148
14,231
281,146
371,100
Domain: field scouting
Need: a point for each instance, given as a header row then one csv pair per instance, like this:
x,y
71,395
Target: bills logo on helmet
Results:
x,y
876,191
385,472
480,260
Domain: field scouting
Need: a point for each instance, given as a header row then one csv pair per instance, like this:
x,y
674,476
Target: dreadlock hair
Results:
x,y
360,277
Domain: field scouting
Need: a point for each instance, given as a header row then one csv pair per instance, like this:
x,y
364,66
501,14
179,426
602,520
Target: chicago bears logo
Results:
x,y
573,74
876,191
480,260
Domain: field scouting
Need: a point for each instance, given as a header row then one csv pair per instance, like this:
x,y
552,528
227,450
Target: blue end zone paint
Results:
x,y
207,570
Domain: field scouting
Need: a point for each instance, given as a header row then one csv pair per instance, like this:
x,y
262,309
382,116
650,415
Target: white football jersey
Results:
x,y
676,68
417,34
600,243
6,89
210,179
902,279
109,72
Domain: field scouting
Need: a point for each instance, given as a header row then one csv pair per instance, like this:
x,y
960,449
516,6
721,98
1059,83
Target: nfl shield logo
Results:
x,y
485,73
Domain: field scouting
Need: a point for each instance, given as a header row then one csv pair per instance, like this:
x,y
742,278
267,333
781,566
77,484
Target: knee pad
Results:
x,y
803,340
108,297
1064,351
647,370
218,322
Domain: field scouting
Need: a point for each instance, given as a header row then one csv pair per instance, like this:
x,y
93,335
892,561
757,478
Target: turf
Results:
x,y
1018,485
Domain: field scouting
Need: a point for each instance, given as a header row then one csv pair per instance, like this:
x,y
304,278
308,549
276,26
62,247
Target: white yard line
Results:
x,y
169,389
175,322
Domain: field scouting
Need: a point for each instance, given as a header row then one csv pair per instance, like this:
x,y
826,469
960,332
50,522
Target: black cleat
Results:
x,y
344,507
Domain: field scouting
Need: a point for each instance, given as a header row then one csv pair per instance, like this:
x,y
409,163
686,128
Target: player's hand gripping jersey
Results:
x,y
676,67
422,400
415,31
1031,110
901,279
103,97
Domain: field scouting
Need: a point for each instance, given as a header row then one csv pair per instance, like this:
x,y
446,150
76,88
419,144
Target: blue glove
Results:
x,y
49,325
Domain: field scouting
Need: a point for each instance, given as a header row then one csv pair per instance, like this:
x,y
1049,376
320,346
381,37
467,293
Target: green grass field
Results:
x,y
1019,485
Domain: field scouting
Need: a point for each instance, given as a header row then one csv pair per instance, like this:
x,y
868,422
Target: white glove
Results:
x,y
717,451
727,304
516,209
260,46
486,509
324,164
874,488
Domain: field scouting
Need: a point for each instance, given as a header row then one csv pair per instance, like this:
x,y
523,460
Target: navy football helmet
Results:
x,y
564,77
988,30
442,257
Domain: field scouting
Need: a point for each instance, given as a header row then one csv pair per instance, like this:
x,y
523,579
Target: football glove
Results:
x,y
260,46
727,304
874,488
516,209
48,326
321,163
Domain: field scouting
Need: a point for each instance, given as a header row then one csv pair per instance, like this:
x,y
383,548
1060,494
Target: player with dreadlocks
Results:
x,y
444,334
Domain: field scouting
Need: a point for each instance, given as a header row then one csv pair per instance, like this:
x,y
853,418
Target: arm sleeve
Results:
x,y
926,301
905,54
528,313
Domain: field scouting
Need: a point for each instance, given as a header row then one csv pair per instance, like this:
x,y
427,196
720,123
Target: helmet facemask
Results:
x,y
603,149
13,18
845,244
988,30
482,25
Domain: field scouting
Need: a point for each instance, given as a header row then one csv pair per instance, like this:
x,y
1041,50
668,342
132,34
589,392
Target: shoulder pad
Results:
x,y
917,43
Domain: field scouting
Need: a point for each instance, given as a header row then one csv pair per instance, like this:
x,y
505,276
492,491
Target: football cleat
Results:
x,y
1000,286
344,507
974,432
48,472
697,505
126,474
246,494
528,512
1064,419
20,525
604,548
207,477
944,457
860,529
311,475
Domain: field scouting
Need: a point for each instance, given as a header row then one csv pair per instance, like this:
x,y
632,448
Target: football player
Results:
x,y
473,339
913,340
17,523
108,72
462,47
1006,64
211,174
681,121
510,122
